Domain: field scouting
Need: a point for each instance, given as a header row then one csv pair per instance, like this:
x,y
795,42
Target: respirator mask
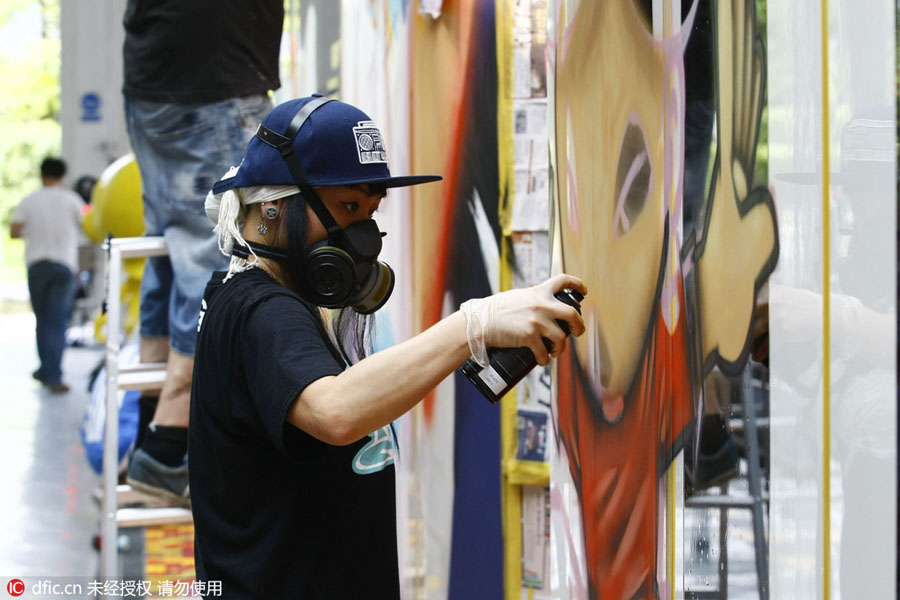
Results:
x,y
344,270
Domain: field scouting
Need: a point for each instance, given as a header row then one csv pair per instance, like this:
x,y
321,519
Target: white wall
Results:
x,y
93,125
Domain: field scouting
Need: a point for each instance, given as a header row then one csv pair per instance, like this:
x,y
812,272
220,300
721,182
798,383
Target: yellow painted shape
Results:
x,y
737,249
736,246
169,553
510,492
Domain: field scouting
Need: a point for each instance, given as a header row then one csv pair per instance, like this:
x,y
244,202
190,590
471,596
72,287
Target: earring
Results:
x,y
270,211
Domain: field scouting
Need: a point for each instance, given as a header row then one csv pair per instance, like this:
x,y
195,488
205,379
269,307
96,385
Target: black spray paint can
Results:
x,y
509,365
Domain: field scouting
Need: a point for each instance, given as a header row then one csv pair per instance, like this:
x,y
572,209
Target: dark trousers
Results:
x,y
52,289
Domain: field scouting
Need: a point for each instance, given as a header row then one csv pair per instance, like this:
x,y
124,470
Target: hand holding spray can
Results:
x,y
509,365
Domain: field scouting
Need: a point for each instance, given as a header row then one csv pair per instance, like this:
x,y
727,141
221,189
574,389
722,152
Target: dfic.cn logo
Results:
x,y
15,587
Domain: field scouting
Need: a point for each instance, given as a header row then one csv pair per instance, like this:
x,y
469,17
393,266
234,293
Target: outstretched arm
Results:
x,y
380,388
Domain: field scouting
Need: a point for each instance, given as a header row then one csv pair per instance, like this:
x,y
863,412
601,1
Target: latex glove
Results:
x,y
523,318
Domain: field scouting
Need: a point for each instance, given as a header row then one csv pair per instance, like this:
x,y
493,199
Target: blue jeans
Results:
x,y
52,288
182,149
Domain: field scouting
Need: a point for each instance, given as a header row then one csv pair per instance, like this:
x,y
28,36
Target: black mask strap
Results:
x,y
260,250
285,145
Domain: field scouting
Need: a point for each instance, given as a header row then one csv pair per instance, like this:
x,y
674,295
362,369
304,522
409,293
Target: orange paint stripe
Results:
x,y
434,305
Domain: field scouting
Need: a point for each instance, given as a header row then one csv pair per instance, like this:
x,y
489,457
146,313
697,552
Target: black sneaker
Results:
x,y
712,469
148,475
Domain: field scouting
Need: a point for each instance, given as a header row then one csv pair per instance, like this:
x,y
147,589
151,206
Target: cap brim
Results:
x,y
404,181
389,182
223,185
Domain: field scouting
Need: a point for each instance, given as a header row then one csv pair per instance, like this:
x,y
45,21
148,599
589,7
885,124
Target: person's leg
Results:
x,y
193,248
146,471
190,231
38,279
188,148
156,285
156,281
59,302
152,350
174,400
52,289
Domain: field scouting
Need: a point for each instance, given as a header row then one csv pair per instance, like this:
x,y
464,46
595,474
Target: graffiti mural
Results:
x,y
455,248
628,390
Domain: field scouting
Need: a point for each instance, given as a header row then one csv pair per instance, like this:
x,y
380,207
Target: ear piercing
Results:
x,y
269,212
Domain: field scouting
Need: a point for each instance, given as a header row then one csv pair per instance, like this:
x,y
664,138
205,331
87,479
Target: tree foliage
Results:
x,y
29,113
29,105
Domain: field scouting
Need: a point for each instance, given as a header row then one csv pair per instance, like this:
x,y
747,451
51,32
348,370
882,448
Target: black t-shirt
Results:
x,y
201,50
277,513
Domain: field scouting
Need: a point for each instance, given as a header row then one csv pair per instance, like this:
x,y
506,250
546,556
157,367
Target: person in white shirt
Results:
x,y
50,220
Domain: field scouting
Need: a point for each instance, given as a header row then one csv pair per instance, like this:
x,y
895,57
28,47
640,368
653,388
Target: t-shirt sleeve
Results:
x,y
20,212
283,351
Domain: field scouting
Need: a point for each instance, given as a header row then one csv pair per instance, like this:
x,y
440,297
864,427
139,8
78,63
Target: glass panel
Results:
x,y
863,400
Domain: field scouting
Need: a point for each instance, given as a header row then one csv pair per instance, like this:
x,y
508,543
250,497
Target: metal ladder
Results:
x,y
148,376
752,392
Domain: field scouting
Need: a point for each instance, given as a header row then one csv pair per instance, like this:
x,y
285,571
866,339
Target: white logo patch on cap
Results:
x,y
369,144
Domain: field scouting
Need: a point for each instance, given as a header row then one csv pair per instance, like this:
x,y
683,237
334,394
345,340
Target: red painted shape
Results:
x,y
616,466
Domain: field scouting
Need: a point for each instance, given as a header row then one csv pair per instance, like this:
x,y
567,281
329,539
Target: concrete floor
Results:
x,y
47,516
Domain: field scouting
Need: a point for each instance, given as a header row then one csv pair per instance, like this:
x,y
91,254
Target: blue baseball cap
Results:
x,y
338,144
